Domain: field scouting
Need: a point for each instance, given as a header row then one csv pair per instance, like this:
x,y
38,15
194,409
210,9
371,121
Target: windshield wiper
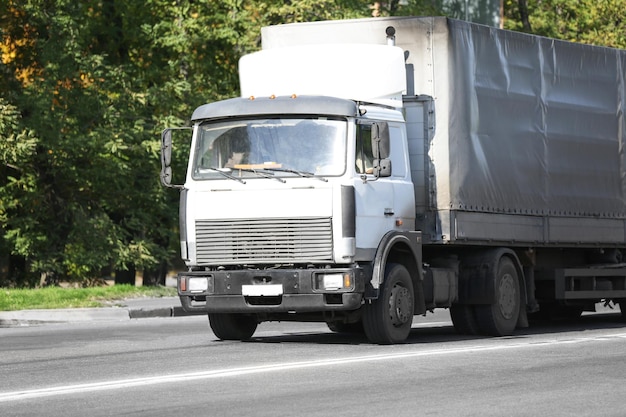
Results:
x,y
262,174
303,174
226,174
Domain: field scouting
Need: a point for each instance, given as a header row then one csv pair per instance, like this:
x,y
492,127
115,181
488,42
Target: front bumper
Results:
x,y
271,291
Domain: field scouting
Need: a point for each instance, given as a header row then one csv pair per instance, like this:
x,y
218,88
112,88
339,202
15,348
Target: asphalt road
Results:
x,y
174,366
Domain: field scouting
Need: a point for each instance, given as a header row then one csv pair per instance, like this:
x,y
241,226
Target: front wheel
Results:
x,y
388,319
233,326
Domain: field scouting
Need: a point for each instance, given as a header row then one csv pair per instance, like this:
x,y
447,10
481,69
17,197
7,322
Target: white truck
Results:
x,y
376,169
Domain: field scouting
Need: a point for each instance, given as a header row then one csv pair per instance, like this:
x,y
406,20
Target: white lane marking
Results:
x,y
432,324
249,370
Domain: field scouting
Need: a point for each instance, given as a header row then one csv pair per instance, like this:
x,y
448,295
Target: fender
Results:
x,y
391,240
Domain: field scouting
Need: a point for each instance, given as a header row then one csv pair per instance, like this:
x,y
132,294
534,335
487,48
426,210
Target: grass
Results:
x,y
57,297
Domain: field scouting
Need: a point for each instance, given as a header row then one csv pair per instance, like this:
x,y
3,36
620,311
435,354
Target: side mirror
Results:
x,y
166,158
166,147
380,140
380,149
382,167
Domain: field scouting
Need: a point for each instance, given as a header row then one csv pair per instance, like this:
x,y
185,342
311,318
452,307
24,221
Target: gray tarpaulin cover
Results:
x,y
537,125
524,124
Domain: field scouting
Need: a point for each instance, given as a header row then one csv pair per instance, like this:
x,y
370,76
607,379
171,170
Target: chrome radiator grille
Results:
x,y
263,240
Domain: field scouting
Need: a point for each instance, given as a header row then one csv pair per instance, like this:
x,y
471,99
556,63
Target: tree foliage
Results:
x,y
596,22
86,86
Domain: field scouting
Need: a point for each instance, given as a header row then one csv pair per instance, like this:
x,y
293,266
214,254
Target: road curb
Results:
x,y
74,315
142,313
38,317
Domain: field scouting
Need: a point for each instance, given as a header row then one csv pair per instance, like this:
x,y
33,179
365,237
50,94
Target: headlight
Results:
x,y
196,285
200,284
334,282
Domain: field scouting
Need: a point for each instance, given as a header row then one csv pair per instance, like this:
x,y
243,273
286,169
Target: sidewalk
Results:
x,y
137,308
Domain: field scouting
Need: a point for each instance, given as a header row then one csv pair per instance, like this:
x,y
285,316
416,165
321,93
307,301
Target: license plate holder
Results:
x,y
262,290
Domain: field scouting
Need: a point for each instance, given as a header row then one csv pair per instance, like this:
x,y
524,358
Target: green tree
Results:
x,y
586,21
86,88
86,197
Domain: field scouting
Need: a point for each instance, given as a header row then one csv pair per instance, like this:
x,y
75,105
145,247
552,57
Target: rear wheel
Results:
x,y
233,326
464,319
388,319
500,318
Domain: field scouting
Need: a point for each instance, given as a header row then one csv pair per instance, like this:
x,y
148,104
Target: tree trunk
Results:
x,y
125,277
153,277
524,15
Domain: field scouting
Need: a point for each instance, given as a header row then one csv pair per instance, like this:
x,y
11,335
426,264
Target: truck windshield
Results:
x,y
280,146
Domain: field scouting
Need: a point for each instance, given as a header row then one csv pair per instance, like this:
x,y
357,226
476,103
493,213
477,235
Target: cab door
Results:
x,y
384,200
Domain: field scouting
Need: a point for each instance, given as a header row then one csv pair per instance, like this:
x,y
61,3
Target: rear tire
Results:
x,y
464,319
388,319
500,318
233,326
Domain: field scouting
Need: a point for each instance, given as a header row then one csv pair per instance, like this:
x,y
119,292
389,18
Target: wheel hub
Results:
x,y
400,305
508,296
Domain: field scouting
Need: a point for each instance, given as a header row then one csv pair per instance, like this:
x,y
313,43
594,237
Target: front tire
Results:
x,y
233,326
388,319
500,318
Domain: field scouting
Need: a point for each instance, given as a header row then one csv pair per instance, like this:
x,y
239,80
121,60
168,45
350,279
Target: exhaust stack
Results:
x,y
391,35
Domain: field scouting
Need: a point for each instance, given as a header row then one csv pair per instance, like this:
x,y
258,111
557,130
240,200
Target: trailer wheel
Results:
x,y
233,326
500,318
464,319
388,319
